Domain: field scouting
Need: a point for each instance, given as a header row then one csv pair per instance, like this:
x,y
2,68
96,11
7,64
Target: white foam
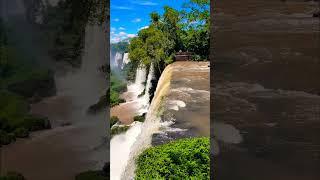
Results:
x,y
120,146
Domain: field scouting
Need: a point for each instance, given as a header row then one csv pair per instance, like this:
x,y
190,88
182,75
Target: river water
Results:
x,y
77,141
266,90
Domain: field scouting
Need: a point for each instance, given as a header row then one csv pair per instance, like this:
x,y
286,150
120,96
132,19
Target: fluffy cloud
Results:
x,y
145,3
121,7
117,37
116,19
122,28
136,20
131,35
144,27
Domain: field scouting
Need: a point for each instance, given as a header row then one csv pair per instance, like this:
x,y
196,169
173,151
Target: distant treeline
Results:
x,y
185,30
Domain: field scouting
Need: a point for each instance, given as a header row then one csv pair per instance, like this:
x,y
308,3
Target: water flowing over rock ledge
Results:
x,y
180,108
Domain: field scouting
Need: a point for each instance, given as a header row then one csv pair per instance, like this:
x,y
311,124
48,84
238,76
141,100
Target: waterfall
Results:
x,y
146,97
120,146
152,122
137,87
118,59
125,59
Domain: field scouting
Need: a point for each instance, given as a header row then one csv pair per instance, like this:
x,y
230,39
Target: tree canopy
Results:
x,y
185,30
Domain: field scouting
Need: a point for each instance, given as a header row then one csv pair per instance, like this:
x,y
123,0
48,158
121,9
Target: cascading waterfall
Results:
x,y
125,60
118,59
151,124
120,147
146,97
138,86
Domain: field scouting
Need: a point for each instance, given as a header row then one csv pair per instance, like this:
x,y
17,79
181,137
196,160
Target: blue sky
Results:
x,y
128,16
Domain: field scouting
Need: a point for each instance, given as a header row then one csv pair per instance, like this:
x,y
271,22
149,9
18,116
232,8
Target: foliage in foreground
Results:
x,y
140,118
119,129
12,176
95,175
181,159
21,81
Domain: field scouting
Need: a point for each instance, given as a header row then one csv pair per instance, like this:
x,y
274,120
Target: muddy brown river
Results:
x,y
266,90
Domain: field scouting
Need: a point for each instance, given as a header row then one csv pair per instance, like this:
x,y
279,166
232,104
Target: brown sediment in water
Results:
x,y
125,111
266,86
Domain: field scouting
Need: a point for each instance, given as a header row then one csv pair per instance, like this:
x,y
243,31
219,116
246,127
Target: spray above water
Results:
x,y
120,150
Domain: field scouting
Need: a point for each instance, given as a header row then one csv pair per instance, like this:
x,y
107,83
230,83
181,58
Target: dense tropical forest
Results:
x,y
174,31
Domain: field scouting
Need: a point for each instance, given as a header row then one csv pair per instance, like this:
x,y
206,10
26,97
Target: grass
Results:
x,y
181,159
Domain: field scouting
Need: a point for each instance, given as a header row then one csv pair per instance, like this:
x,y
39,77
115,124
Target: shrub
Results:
x,y
140,118
21,132
5,138
181,159
12,176
91,175
119,129
113,120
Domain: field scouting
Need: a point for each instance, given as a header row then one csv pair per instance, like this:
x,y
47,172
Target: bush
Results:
x,y
91,175
6,138
119,130
21,132
181,159
34,123
12,176
140,118
113,120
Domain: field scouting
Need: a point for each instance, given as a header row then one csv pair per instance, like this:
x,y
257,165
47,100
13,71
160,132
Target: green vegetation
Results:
x,y
119,129
181,159
15,120
120,47
12,176
140,118
66,23
100,105
117,87
187,30
113,120
95,175
21,82
91,175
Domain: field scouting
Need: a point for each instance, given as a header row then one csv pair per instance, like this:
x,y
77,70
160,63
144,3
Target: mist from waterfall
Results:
x,y
120,147
145,99
125,60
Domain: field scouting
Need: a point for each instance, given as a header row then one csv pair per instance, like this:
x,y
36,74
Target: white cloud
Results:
x,y
136,20
122,33
145,3
122,28
116,37
115,40
121,7
116,19
131,35
113,29
144,27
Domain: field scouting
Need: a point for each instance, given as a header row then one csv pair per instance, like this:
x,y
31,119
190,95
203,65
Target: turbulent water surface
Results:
x,y
266,90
